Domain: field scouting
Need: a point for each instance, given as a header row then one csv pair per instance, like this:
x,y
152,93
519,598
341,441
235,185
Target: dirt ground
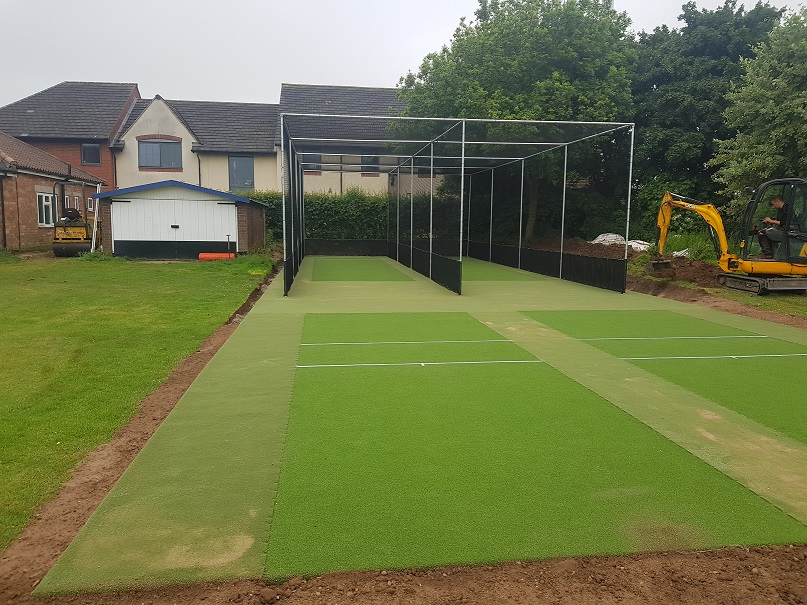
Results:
x,y
730,576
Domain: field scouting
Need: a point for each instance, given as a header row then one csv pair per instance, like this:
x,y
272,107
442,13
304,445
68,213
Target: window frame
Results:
x,y
90,205
160,143
84,146
230,172
45,201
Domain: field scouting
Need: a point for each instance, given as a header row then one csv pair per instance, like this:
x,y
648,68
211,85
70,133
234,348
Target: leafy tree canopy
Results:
x,y
679,89
529,59
768,112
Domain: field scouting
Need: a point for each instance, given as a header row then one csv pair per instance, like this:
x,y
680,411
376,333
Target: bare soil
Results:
x,y
730,576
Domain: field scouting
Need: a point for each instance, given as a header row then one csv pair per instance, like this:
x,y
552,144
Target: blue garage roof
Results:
x,y
171,183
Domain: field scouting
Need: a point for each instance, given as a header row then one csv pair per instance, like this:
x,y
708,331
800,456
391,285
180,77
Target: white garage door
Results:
x,y
174,221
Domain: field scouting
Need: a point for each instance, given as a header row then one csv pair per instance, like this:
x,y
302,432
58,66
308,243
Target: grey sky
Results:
x,y
240,50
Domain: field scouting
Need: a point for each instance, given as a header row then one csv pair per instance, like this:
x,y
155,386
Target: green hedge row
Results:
x,y
354,214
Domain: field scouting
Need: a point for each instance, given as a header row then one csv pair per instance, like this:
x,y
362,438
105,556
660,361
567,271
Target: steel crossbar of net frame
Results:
x,y
402,146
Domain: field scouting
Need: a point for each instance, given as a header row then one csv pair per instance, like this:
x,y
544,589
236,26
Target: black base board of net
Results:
x,y
447,272
420,261
607,273
346,247
404,255
504,255
480,250
544,262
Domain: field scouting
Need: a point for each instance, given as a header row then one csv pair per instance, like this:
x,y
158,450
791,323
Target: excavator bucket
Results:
x,y
657,264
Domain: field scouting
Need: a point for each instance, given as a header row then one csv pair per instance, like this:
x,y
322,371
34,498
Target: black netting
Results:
x,y
533,195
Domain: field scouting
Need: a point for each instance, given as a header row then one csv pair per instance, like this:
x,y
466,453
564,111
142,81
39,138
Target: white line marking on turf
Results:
x,y
716,357
413,342
674,337
418,363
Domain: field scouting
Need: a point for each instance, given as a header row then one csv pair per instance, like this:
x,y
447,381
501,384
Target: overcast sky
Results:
x,y
241,50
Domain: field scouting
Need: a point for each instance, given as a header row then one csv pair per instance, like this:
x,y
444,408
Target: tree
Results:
x,y
529,59
768,113
679,89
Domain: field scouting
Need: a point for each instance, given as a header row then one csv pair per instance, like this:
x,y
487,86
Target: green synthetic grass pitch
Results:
x,y
477,270
340,268
723,364
413,466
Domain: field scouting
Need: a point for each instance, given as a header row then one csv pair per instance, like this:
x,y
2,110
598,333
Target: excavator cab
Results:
x,y
793,248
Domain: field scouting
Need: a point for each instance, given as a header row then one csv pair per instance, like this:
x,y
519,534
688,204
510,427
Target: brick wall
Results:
x,y
22,229
70,152
105,207
251,226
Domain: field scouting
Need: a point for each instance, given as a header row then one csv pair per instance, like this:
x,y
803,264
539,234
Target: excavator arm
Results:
x,y
709,214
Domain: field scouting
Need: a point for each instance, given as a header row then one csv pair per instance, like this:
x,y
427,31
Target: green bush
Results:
x,y
354,214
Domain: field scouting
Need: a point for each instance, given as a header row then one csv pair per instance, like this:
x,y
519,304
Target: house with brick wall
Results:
x,y
76,122
33,186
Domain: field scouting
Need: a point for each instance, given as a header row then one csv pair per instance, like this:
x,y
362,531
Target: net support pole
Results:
x,y
563,210
630,183
490,227
520,214
462,189
431,208
398,221
283,197
470,196
412,213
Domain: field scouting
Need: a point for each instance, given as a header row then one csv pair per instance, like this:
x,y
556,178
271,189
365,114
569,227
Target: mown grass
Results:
x,y
83,343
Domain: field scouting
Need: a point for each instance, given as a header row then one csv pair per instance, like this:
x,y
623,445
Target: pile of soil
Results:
x,y
575,245
696,272
731,576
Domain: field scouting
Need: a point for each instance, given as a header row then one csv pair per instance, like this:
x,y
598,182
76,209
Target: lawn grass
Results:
x,y
417,466
83,343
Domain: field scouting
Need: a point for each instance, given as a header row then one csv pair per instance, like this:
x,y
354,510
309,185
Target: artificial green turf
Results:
x,y
196,502
758,388
477,270
395,467
82,343
327,268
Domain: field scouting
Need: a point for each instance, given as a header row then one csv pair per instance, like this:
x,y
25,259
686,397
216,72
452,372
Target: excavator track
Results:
x,y
761,285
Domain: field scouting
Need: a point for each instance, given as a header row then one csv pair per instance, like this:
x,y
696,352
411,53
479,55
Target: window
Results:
x,y
89,205
44,207
160,154
66,202
76,202
369,164
90,154
242,173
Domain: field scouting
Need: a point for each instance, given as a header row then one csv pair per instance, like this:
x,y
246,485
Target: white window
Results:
x,y
89,205
44,207
76,202
67,201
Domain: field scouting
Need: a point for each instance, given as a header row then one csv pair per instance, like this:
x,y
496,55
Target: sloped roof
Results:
x,y
340,100
223,126
172,183
22,156
70,110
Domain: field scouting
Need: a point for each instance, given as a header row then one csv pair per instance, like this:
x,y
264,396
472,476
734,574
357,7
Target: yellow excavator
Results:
x,y
751,271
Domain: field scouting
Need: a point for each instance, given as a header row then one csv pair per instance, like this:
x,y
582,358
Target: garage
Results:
x,y
175,220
